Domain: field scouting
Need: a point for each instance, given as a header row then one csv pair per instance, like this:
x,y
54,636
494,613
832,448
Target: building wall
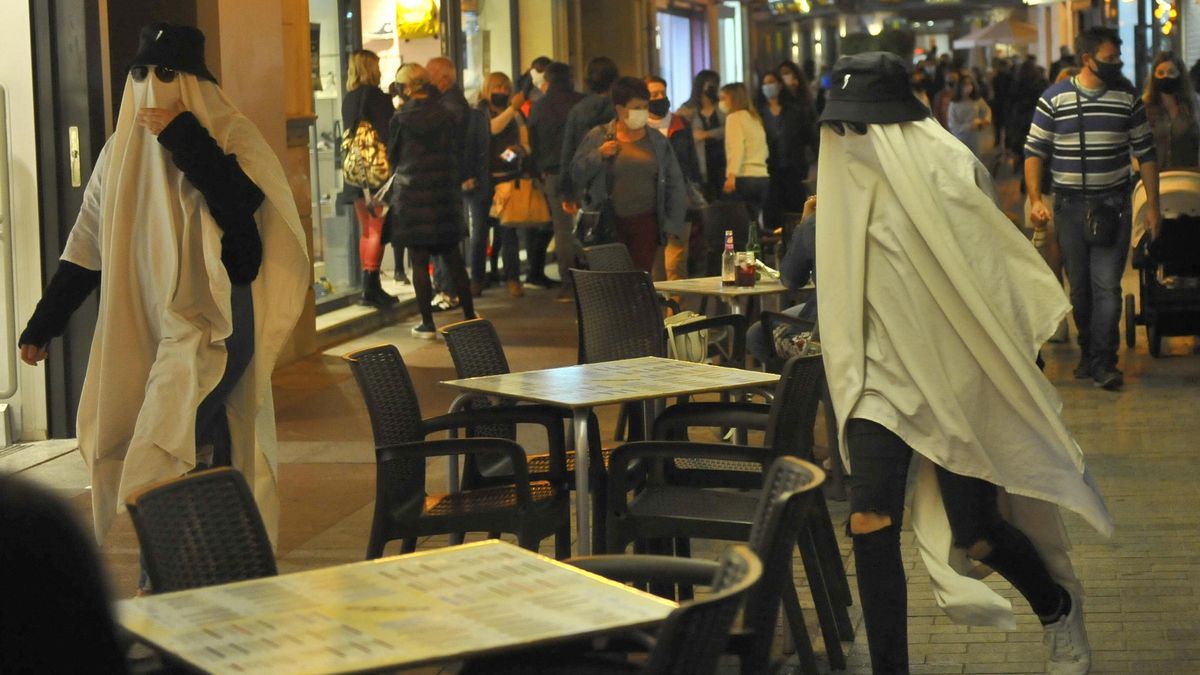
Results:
x,y
16,76
616,29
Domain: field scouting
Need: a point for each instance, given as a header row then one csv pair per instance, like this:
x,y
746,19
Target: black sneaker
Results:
x,y
1084,370
542,281
424,331
1108,378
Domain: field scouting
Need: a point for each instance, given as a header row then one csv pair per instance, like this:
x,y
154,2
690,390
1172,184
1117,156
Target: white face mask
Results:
x,y
537,77
723,107
636,119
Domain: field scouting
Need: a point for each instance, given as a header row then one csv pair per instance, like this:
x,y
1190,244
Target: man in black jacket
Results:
x,y
470,151
592,111
679,134
547,126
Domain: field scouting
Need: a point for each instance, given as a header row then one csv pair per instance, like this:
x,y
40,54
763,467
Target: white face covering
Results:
x,y
636,119
154,93
537,77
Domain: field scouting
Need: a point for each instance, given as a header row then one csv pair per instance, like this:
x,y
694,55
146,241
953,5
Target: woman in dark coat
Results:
x,y
427,193
365,101
790,123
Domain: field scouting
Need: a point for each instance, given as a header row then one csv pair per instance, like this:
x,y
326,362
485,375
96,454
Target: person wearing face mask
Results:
x,y
707,120
790,124
184,201
647,192
794,84
1098,110
968,114
547,126
746,176
532,82
679,133
507,127
1174,114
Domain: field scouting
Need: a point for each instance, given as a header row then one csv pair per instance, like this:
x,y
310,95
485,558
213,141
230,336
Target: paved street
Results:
x,y
1141,444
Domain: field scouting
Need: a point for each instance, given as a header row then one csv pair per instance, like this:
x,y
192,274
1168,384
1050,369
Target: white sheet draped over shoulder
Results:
x,y
933,307
159,345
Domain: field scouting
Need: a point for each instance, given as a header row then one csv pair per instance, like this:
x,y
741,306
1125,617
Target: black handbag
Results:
x,y
1101,222
598,225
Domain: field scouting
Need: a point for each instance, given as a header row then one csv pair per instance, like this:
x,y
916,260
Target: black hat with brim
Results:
x,y
872,88
178,47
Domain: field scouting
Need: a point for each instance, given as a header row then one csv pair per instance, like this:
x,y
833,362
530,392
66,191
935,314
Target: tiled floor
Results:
x,y
1142,598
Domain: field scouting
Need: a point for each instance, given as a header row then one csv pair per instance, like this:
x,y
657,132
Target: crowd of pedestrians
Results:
x,y
621,146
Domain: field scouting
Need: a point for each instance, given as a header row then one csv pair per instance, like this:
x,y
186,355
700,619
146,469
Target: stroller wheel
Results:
x,y
1154,340
1130,322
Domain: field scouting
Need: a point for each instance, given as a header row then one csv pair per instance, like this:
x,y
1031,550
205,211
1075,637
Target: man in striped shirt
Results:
x,y
1090,167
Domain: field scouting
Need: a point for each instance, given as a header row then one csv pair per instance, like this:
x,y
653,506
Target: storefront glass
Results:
x,y
488,36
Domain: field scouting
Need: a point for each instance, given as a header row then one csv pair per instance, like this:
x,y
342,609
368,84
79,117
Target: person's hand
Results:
x,y
730,184
33,354
469,184
810,207
609,149
1039,214
517,101
1153,220
155,120
570,207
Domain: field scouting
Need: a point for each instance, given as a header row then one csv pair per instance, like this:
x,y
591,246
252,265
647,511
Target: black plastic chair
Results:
x,y
663,512
781,513
476,351
689,642
403,508
608,258
200,530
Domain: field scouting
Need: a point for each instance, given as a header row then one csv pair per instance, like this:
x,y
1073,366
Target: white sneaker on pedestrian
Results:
x,y
1067,648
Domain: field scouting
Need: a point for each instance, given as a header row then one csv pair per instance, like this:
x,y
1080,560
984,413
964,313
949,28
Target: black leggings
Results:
x,y
423,287
879,460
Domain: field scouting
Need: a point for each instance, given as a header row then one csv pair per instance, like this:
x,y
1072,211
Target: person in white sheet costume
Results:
x,y
190,231
933,308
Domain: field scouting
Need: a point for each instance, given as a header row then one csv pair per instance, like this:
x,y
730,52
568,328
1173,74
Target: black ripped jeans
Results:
x,y
879,460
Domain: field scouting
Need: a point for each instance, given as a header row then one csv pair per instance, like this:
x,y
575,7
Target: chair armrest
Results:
x,y
674,422
646,569
547,417
737,322
623,460
465,446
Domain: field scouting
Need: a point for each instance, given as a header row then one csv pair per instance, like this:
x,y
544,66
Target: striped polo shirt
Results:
x,y
1114,123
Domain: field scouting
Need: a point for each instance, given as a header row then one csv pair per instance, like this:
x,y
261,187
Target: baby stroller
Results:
x,y
1168,268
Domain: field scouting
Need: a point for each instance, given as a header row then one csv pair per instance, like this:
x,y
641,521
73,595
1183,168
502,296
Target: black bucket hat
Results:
x,y
178,47
872,88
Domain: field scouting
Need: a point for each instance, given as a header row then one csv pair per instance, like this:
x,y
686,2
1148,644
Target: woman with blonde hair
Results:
x,y
746,150
366,102
505,158
426,196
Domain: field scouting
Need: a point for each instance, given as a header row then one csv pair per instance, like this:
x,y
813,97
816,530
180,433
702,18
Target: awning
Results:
x,y
1007,32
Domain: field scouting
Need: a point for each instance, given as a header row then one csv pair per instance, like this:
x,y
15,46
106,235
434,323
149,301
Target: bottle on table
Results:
x,y
728,261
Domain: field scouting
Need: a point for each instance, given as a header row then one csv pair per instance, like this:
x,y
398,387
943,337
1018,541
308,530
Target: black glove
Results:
x,y
241,252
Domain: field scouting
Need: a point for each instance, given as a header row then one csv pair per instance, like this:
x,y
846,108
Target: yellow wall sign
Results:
x,y
416,19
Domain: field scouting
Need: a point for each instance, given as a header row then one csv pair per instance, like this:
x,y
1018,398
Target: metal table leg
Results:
x,y
583,494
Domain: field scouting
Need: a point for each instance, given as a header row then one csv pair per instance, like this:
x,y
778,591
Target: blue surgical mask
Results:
x,y
771,89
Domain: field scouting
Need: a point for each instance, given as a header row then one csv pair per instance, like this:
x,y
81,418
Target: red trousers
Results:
x,y
640,235
370,243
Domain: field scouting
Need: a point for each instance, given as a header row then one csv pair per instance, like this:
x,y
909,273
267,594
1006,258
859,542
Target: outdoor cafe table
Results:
x,y
441,605
712,287
586,386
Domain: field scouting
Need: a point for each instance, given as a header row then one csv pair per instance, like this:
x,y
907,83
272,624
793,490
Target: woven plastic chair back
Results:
x,y
619,316
693,637
608,258
201,530
394,411
794,409
476,351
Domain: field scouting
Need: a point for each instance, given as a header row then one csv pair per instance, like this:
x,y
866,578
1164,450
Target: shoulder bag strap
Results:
x,y
1082,143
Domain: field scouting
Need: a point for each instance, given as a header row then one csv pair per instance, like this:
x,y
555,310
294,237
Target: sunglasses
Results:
x,y
163,73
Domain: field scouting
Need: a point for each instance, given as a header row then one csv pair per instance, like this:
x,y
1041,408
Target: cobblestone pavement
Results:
x,y
1141,444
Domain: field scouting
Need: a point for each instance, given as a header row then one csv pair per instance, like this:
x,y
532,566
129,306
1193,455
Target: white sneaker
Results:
x,y
1067,648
